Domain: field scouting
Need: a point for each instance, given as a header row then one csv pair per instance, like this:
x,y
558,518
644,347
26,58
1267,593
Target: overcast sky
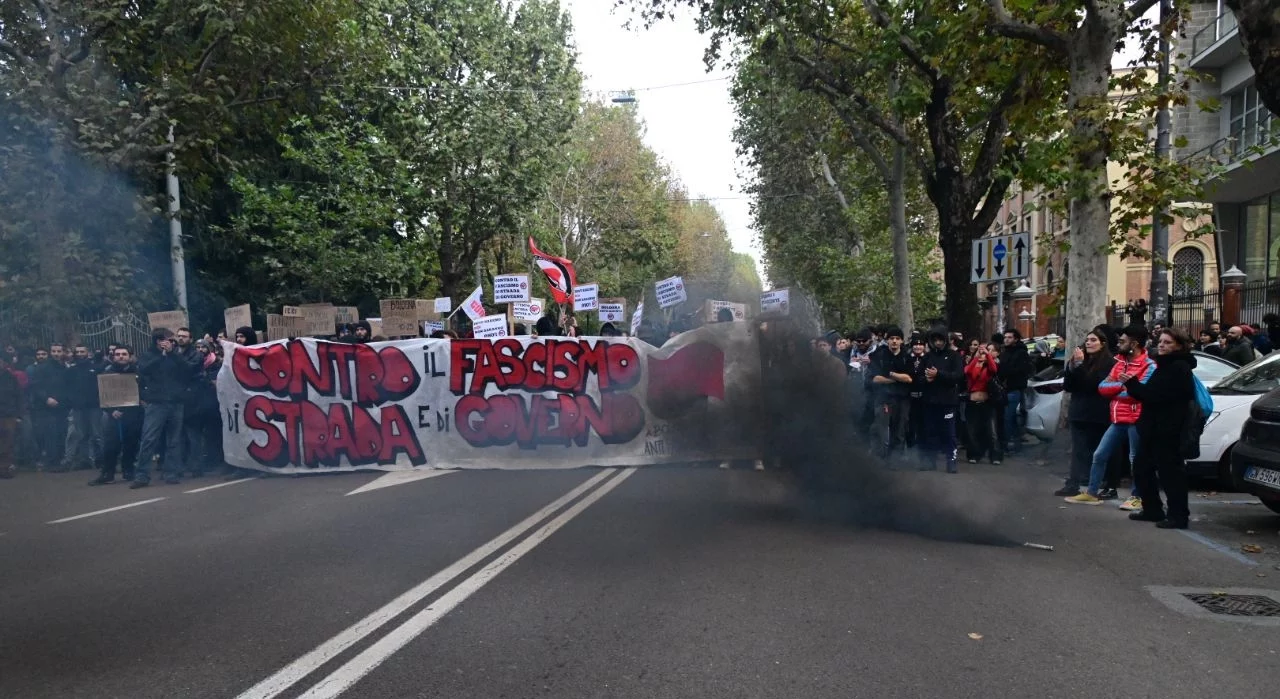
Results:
x,y
689,126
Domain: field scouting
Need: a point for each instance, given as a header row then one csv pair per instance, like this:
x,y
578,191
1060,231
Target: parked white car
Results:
x,y
1232,398
1044,396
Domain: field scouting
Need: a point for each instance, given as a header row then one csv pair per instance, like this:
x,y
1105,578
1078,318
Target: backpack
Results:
x,y
1198,413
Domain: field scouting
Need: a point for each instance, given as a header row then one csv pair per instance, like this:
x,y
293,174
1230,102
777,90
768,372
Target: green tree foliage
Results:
x,y
822,207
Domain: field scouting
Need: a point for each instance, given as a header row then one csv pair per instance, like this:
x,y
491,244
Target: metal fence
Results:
x,y
96,332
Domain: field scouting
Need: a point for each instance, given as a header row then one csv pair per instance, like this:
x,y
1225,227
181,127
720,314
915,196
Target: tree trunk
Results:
x,y
1260,30
897,183
1087,97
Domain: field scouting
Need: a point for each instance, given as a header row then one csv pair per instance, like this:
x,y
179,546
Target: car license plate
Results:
x,y
1265,476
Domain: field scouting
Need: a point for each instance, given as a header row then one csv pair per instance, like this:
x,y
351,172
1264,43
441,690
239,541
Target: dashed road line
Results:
x,y
221,485
1220,548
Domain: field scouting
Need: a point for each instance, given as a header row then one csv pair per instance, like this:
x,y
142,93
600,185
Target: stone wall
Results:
x,y
1201,129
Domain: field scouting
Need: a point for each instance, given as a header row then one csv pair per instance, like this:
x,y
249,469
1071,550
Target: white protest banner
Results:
x,y
586,297
399,317
444,304
118,390
490,327
612,310
235,318
777,302
531,311
711,310
307,405
432,326
473,306
510,288
169,320
637,318
670,292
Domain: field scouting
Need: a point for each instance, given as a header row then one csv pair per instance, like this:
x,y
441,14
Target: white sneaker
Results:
x,y
724,464
759,465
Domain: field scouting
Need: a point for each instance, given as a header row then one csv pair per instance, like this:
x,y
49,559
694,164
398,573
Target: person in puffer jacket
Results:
x,y
1132,360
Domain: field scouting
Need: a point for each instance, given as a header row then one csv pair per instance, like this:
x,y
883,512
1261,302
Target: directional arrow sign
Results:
x,y
1020,251
1001,257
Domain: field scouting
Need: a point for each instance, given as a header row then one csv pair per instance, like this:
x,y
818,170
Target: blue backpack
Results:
x,y
1197,417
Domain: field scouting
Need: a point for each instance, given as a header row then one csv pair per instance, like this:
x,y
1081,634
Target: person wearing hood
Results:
x,y
891,378
1166,399
246,336
363,334
915,391
547,327
942,374
1016,369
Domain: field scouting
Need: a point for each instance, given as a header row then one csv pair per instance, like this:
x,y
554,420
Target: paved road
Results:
x,y
652,583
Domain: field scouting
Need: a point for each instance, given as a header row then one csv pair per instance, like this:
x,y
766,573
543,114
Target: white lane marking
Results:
x,y
344,677
103,512
221,485
1220,548
393,478
292,673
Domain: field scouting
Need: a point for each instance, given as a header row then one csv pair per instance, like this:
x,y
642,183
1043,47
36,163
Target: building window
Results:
x,y
1048,279
1256,241
1250,121
1188,272
1026,224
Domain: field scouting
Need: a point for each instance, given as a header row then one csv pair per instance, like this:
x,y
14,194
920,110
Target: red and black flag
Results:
x,y
559,271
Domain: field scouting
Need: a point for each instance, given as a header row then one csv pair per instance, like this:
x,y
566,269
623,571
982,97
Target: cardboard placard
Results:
x,y
637,318
531,311
671,292
586,297
399,317
282,327
237,317
490,328
613,310
319,319
118,390
711,310
510,288
427,310
444,304
432,326
375,327
291,311
169,320
777,302
346,315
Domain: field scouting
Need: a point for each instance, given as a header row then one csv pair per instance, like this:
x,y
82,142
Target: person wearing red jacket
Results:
x,y
1132,360
982,408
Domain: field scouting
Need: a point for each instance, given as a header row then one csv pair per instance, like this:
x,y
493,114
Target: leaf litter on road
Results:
x,y
975,636
1251,548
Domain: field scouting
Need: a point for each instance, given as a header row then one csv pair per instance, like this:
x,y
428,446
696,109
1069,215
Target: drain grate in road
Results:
x,y
1236,605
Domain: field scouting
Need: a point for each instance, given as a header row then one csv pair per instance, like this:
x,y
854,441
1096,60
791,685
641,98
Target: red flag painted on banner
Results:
x,y
560,275
690,374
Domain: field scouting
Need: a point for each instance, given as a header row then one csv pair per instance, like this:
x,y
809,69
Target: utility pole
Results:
x,y
1159,301
177,256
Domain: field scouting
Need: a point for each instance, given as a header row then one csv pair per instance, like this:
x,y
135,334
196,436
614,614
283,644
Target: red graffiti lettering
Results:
x,y
363,375
530,421
560,365
303,434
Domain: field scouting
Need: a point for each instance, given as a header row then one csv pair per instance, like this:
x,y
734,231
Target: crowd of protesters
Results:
x,y
925,397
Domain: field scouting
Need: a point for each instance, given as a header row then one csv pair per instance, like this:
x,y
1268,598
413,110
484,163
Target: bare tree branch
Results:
x,y
1138,9
992,149
1004,24
12,51
909,47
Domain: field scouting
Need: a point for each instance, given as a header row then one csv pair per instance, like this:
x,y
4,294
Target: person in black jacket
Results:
x,y
943,373
192,434
10,415
1015,371
85,433
122,427
48,393
916,356
201,417
1089,413
163,379
891,377
1166,401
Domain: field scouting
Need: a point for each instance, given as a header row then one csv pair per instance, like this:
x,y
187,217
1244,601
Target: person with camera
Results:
x,y
1089,413
983,409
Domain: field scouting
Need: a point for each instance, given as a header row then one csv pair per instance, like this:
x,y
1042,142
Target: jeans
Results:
x,y
9,433
51,434
1011,432
84,437
161,421
981,425
1085,437
1111,439
120,442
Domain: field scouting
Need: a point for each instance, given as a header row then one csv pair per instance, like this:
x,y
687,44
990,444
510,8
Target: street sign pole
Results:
x,y
1000,306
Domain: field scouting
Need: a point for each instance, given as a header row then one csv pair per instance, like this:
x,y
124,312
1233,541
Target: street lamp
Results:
x,y
623,98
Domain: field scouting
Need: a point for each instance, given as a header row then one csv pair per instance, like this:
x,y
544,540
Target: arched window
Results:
x,y
1188,272
1048,278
